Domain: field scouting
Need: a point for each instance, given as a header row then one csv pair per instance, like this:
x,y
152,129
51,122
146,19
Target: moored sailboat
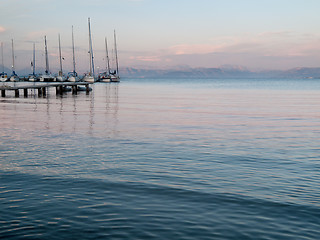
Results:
x,y
89,77
105,76
3,75
33,77
47,77
60,77
114,76
73,76
14,77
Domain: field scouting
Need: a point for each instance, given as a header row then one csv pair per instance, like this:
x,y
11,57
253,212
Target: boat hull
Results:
x,y
33,79
61,79
73,79
88,79
47,78
14,79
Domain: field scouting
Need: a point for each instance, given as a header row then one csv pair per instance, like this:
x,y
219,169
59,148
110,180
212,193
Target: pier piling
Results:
x,y
74,90
43,88
44,91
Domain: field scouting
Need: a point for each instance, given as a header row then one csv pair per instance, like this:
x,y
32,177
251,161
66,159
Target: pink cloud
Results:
x,y
282,43
146,58
182,49
2,29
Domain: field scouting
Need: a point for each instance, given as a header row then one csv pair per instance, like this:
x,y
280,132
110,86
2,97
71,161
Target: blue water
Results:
x,y
163,159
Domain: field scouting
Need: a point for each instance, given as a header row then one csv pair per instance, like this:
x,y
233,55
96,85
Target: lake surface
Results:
x,y
163,159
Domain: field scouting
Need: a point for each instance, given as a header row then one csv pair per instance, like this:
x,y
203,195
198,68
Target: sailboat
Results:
x,y
3,75
89,77
73,76
115,74
60,77
47,77
105,76
33,77
14,77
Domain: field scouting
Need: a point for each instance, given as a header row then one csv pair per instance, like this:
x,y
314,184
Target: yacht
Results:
x,y
47,77
33,77
89,77
115,77
14,77
105,76
73,76
60,77
3,75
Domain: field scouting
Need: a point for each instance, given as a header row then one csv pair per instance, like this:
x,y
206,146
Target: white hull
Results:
x,y
105,80
14,79
73,79
47,78
33,79
3,78
88,79
61,79
115,78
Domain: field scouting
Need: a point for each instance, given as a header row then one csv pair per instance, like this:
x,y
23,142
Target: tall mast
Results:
x,y
2,56
107,57
73,55
13,70
90,51
60,58
46,53
34,60
116,52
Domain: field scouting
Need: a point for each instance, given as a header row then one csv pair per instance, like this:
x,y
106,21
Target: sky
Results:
x,y
255,34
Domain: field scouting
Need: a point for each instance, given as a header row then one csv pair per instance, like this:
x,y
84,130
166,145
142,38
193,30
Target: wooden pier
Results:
x,y
42,88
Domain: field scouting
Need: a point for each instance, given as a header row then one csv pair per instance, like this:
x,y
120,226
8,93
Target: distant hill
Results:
x,y
6,70
223,72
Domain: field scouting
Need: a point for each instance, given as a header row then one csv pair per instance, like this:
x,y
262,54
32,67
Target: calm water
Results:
x,y
163,159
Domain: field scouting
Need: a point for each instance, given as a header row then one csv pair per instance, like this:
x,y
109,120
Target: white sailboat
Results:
x,y
33,77
89,77
61,77
14,77
105,76
115,77
47,77
3,75
73,76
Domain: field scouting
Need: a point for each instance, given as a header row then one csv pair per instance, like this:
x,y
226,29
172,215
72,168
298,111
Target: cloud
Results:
x,y
281,34
274,50
182,49
282,43
2,29
146,58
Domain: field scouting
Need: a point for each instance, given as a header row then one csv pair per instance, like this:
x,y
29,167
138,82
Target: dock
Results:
x,y
42,88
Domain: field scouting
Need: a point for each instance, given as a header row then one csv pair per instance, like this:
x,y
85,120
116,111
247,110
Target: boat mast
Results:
x,y
73,55
13,70
107,57
34,60
90,51
60,58
46,53
2,56
116,52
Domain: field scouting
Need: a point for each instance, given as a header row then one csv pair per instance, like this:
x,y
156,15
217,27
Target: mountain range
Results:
x,y
221,72
226,71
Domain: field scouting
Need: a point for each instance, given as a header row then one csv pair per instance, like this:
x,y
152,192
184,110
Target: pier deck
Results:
x,y
42,87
